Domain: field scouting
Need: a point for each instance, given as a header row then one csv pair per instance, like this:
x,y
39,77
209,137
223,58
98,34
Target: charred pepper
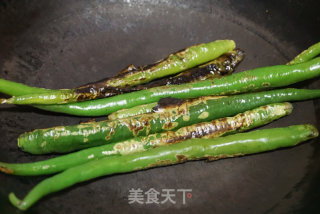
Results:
x,y
216,128
70,138
193,149
174,63
247,81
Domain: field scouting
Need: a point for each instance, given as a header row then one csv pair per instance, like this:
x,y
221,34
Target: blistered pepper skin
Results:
x,y
132,76
194,149
157,106
174,63
216,68
216,128
70,138
246,81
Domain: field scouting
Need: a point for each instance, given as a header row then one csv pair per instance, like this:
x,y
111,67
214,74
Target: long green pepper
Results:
x,y
223,65
134,111
246,81
69,138
241,122
19,89
307,54
174,63
304,56
156,107
194,149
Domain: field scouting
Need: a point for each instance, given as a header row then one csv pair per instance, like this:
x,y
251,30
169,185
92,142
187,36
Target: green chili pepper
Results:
x,y
163,103
307,55
194,149
223,65
19,89
69,138
134,111
256,79
241,122
174,63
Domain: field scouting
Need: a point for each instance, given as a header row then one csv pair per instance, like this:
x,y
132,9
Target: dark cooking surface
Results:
x,y
59,44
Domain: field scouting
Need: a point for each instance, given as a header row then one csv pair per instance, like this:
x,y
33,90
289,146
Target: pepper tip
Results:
x,y
16,201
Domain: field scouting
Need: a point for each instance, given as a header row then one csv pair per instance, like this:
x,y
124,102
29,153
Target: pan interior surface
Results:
x,y
64,44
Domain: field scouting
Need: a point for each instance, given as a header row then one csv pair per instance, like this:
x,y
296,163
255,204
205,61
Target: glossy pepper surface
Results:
x,y
246,81
307,54
241,122
194,149
70,138
174,63
223,65
163,104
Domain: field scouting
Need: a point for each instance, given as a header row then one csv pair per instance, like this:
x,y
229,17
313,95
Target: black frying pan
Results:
x,y
64,44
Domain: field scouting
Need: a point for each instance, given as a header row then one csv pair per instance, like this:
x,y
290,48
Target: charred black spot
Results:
x,y
181,158
160,163
223,65
136,127
81,97
99,90
170,125
127,69
265,84
179,138
213,158
223,120
167,102
146,67
217,157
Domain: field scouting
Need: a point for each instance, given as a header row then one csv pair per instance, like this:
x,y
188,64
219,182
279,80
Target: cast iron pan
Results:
x,y
63,44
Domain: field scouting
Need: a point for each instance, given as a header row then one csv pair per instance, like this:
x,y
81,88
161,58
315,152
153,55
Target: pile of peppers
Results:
x,y
188,106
